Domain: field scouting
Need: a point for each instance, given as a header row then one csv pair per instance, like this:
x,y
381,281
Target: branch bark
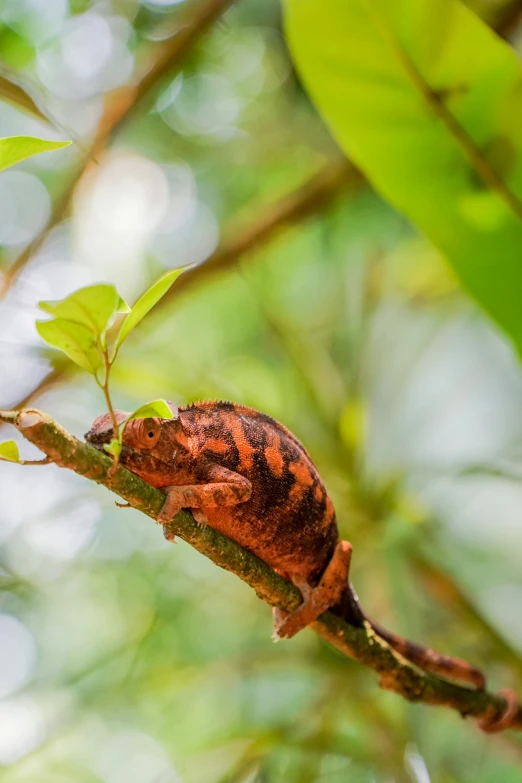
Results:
x,y
394,672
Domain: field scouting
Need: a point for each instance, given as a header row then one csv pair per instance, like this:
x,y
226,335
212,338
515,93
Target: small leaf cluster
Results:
x,y
81,321
80,324
81,327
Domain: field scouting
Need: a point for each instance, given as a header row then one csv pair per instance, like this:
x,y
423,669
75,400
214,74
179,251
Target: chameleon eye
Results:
x,y
149,432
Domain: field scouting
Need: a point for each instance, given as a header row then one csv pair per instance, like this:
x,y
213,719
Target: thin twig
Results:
x,y
44,461
172,54
306,201
395,673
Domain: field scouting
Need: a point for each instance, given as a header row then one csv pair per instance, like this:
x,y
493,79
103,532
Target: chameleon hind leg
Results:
x,y
316,600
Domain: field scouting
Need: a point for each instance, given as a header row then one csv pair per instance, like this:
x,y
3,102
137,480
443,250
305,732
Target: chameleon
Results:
x,y
247,476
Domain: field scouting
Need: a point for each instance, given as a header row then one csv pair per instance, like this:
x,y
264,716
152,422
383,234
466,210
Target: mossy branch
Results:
x,y
394,672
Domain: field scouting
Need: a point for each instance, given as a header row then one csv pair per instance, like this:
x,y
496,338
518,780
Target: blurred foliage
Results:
x,y
124,659
433,124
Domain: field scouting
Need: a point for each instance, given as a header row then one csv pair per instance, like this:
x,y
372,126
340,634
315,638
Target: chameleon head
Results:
x,y
101,430
150,447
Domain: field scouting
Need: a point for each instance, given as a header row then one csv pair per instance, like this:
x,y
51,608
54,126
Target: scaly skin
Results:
x,y
249,477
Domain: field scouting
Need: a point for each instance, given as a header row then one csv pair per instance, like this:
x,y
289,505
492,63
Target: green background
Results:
x,y
124,659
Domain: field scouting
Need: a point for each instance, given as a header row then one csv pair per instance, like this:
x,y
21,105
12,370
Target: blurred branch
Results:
x,y
508,18
13,90
60,208
119,106
304,202
395,673
168,57
53,378
307,200
441,585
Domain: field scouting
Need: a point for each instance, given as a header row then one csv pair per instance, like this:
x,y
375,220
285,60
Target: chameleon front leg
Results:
x,y
220,487
316,600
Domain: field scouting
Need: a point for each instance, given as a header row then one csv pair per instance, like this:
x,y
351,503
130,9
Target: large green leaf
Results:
x,y
93,306
146,302
427,100
74,339
16,148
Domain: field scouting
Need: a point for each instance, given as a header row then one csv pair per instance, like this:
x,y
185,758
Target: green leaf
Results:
x,y
156,408
74,339
114,448
123,307
427,101
9,451
147,302
94,307
16,148
13,90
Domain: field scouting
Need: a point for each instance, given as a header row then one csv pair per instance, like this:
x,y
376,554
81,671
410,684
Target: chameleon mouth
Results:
x,y
136,457
99,442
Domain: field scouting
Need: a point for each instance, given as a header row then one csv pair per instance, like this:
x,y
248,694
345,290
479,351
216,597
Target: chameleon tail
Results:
x,y
335,592
423,657
429,660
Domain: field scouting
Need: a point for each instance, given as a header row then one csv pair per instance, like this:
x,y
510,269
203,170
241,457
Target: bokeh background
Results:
x,y
124,659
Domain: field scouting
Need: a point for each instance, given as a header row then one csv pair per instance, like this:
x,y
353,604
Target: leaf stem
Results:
x,y
105,389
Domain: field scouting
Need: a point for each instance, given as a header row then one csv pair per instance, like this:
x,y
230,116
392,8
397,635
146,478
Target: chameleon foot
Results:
x,y
316,600
171,506
494,725
169,535
199,516
280,617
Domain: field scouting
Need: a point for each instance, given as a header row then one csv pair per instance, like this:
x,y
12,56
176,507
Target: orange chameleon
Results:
x,y
247,476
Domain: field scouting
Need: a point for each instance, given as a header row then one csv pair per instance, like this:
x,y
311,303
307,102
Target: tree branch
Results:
x,y
395,673
316,194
